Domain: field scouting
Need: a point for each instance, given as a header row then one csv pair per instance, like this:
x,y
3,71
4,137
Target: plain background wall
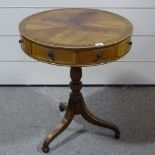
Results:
x,y
135,68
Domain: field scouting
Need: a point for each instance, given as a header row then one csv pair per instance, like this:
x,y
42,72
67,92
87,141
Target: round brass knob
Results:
x,y
20,41
99,56
51,55
130,43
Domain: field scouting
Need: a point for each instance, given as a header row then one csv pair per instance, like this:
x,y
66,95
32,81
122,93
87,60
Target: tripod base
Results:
x,y
76,106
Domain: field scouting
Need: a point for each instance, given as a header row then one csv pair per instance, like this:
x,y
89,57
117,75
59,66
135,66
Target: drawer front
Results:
x,y
123,47
103,55
52,55
76,58
96,56
25,45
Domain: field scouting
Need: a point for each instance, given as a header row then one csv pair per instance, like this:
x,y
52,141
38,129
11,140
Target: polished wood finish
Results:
x,y
76,37
70,112
76,106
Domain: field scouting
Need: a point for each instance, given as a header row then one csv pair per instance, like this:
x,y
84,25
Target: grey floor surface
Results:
x,y
27,114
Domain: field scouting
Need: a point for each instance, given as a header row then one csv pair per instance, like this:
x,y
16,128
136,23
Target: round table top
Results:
x,y
75,28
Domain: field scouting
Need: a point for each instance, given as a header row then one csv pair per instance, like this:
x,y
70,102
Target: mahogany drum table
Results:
x,y
76,38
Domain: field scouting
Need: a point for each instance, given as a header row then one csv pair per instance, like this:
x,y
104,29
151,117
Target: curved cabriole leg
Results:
x,y
70,111
87,115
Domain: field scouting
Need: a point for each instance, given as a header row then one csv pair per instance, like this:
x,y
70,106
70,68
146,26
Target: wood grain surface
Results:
x,y
75,28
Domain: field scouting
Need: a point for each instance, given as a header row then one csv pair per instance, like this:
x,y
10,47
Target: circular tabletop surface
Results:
x,y
75,28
